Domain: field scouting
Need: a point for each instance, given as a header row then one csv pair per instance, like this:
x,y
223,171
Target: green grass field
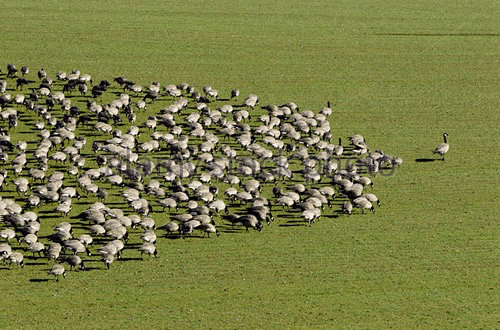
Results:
x,y
398,73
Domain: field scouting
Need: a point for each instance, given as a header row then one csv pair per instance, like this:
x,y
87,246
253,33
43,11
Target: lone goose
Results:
x,y
442,149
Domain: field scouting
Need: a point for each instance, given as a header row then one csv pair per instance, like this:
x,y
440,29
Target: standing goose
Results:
x,y
442,149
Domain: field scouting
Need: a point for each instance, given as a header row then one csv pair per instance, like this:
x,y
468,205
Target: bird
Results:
x,y
310,215
42,74
170,227
74,261
7,234
107,258
347,207
54,251
57,270
37,247
372,198
250,221
148,248
443,148
149,236
209,228
363,203
17,258
235,93
76,247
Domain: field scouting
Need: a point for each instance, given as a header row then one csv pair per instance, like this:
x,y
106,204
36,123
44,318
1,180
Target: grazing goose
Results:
x,y
108,259
363,204
250,221
57,270
149,236
54,251
310,215
170,227
443,148
74,261
25,70
208,228
347,208
7,234
17,258
37,247
148,248
76,247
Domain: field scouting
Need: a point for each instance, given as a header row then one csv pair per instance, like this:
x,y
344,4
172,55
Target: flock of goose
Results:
x,y
161,159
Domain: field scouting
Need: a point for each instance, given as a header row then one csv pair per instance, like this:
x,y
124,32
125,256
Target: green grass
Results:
x,y
398,73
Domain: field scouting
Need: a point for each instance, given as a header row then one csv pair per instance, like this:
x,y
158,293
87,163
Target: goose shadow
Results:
x,y
334,216
296,223
35,263
37,280
129,258
425,160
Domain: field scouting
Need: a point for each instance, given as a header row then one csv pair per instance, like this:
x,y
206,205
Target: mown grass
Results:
x,y
398,73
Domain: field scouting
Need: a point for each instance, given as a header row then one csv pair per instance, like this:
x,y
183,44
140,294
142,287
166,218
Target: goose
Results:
x,y
147,223
168,203
107,259
443,148
218,205
149,236
235,93
286,201
119,246
74,261
5,251
63,208
17,258
37,247
364,180
363,204
170,227
57,270
54,251
118,233
262,213
7,234
12,70
42,74
76,246
250,221
209,228
347,207
310,215
86,239
372,198
29,239
148,248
